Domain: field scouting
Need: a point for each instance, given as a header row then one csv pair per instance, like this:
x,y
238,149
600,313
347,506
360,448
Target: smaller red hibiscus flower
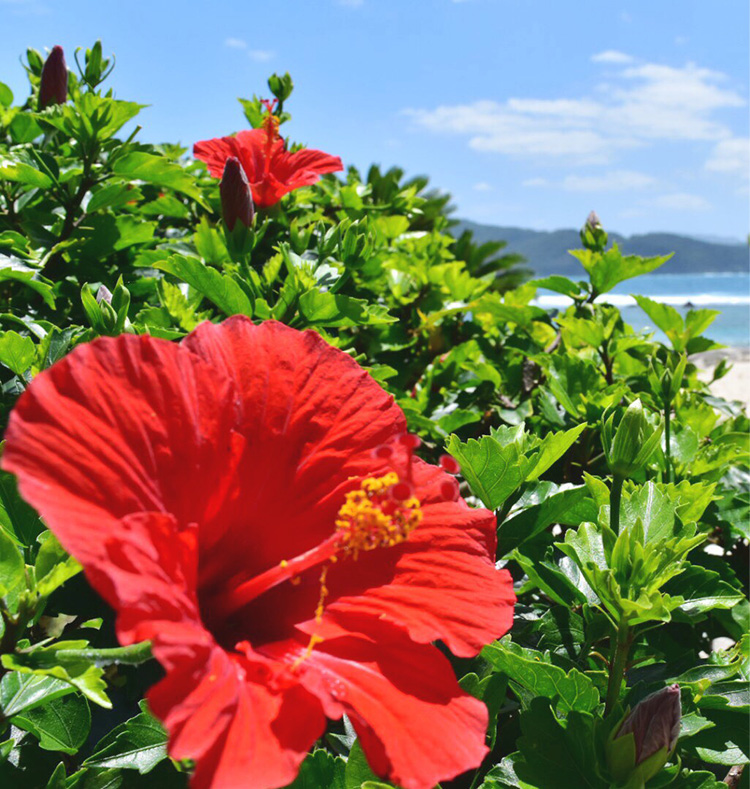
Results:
x,y
271,169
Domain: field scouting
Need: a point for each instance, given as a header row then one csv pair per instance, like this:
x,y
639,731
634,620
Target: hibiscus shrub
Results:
x,y
285,461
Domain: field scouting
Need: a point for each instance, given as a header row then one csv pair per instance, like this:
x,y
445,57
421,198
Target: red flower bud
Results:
x,y
654,723
236,197
53,89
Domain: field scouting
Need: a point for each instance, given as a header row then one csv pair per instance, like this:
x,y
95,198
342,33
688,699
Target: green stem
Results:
x,y
131,655
620,650
667,436
614,503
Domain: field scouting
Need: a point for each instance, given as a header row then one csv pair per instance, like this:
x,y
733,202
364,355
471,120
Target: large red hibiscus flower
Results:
x,y
271,170
248,501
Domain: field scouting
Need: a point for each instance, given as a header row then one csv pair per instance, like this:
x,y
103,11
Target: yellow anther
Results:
x,y
369,518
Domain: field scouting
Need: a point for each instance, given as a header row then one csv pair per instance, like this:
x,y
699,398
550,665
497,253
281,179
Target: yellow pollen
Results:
x,y
369,518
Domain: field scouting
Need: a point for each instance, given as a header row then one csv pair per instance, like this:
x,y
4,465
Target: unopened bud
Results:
x,y
647,736
236,196
592,220
104,294
53,88
629,445
593,235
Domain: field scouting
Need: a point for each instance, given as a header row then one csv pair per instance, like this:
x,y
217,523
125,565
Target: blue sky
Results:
x,y
530,112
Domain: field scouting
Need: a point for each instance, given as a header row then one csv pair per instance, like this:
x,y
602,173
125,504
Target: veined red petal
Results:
x,y
242,732
441,584
120,426
417,726
305,166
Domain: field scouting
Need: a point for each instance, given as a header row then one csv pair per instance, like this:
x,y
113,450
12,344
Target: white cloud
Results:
x,y
680,201
482,186
645,103
536,182
613,181
731,156
611,56
261,55
235,43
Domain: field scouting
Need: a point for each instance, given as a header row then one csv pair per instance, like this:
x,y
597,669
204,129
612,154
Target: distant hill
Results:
x,y
546,252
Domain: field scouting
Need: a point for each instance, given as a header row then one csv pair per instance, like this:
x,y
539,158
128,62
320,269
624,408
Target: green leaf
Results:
x,y
23,692
12,270
567,507
653,508
12,570
16,516
492,469
77,670
322,308
6,95
23,173
320,769
157,170
61,724
703,590
528,669
607,269
218,288
16,352
113,196
53,565
552,448
138,744
559,284
357,770
555,753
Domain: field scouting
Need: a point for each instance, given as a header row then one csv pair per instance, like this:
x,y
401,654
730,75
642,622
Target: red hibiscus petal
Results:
x,y
416,724
120,426
311,417
215,154
441,584
241,732
305,167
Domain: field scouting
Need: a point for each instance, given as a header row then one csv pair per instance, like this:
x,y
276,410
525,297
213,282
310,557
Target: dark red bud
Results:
x,y
53,89
383,452
654,722
236,196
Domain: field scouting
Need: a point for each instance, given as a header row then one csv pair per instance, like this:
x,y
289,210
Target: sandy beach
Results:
x,y
735,385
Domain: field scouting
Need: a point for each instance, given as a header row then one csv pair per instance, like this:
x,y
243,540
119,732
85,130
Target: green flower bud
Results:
x,y
593,235
629,445
640,746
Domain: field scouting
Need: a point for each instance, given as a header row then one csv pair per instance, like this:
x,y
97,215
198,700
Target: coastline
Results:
x,y
735,385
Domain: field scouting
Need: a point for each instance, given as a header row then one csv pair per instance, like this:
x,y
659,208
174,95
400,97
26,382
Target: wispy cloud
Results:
x,y
611,56
613,181
482,186
646,102
731,156
235,43
680,201
261,55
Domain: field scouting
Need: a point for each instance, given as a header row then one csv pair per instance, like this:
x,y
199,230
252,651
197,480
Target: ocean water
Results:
x,y
729,293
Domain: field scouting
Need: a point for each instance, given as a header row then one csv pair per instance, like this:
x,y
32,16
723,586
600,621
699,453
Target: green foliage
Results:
x,y
620,483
